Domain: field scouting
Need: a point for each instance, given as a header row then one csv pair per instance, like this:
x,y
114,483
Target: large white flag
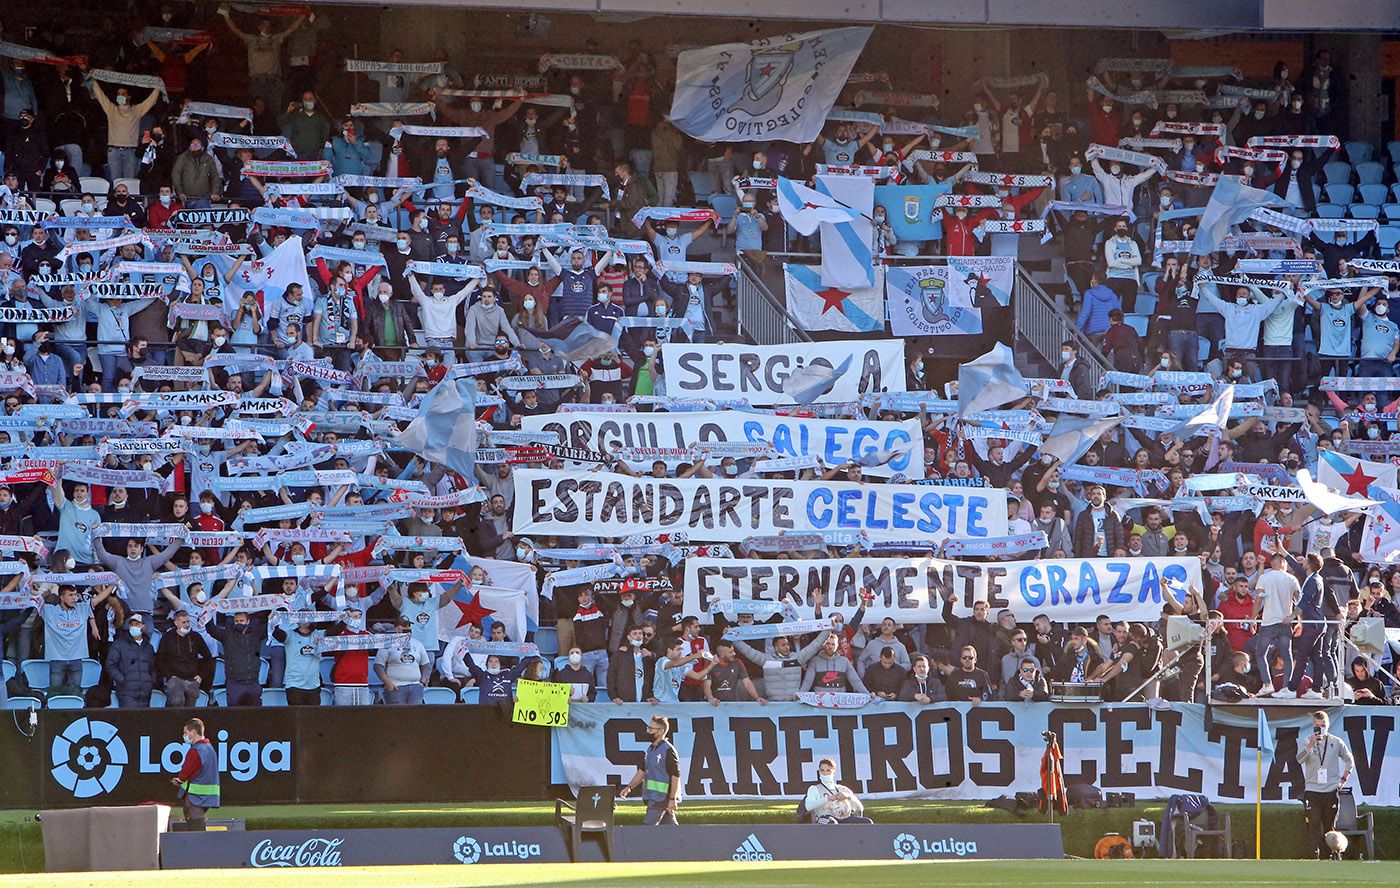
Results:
x,y
778,88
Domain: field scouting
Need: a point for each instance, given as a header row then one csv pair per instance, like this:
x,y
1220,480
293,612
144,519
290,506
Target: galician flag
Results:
x,y
818,307
445,429
1352,476
805,208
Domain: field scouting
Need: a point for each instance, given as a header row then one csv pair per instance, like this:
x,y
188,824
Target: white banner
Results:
x,y
835,441
609,505
777,88
911,590
961,751
756,372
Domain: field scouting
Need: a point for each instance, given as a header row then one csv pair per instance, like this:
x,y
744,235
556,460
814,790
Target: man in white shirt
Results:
x,y
404,669
1275,602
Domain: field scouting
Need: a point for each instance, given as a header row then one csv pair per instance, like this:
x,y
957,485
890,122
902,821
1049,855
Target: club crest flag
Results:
x,y
778,88
909,210
819,307
933,300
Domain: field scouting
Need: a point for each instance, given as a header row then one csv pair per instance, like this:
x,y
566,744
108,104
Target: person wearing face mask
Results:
x,y
584,685
137,572
496,683
1118,185
350,673
195,177
828,802
1099,302
130,665
1336,319
631,669
659,776
241,642
486,322
183,663
404,670
1296,184
480,161
1380,338
748,225
672,244
26,148
265,76
1123,256
123,126
1079,185
198,779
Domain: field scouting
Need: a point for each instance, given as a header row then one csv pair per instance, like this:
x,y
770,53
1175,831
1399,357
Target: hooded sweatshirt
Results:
x,y
485,324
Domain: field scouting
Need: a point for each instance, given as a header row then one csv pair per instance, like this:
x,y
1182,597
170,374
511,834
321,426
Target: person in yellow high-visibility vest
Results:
x,y
660,776
198,780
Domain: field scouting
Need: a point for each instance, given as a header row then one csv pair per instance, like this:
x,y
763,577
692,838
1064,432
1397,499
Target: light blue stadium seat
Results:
x,y
1387,237
547,639
24,703
1359,152
36,674
1337,172
64,701
1138,322
1393,149
704,183
1391,211
1369,173
1340,193
1372,193
439,696
1330,211
1364,211
471,695
274,697
92,673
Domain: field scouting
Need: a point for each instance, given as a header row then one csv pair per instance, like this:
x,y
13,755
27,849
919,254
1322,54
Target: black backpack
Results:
x,y
803,815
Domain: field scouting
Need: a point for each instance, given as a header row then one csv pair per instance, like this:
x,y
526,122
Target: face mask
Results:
x,y
673,232
476,106
602,298
1115,169
183,631
880,218
650,350
748,205
1121,233
1381,310
1295,164
135,631
121,100
828,780
1107,109
1373,432
520,552
960,214
12,239
1166,202
887,147
1242,300
165,200
1166,362
403,246
1249,172
635,642
58,165
1066,355
1236,374
298,559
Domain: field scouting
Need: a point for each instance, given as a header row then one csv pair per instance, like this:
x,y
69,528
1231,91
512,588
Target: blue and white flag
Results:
x,y
1072,436
1216,414
779,88
806,384
990,381
574,339
804,208
445,430
848,256
1231,203
816,307
1266,736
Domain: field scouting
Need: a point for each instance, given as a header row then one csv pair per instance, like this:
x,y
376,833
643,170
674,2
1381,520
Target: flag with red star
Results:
x,y
819,307
1352,476
501,592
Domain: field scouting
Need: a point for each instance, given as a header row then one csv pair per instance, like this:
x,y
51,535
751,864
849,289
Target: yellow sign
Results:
x,y
543,703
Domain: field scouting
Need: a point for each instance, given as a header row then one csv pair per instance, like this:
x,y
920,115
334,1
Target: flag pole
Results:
x,y
1259,801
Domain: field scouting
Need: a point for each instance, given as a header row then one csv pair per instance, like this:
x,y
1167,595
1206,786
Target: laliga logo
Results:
x,y
312,852
468,850
909,847
88,758
906,847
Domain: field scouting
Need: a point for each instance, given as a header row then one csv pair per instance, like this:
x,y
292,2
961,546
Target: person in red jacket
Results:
x,y
350,674
1238,610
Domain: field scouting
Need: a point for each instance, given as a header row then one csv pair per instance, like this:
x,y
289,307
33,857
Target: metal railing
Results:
x,y
1045,328
763,316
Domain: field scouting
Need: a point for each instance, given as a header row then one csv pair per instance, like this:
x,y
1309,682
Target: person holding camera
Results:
x,y
829,802
1327,763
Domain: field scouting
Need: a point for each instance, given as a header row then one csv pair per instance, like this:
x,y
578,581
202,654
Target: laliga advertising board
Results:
x,y
756,373
835,441
912,590
604,504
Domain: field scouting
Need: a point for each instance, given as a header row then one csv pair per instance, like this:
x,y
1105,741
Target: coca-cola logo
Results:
x,y
312,852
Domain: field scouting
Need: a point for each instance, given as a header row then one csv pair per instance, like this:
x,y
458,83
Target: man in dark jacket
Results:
x,y
1303,167
242,643
27,150
631,670
1080,660
975,632
131,665
1077,372
922,685
184,663
1098,531
1027,686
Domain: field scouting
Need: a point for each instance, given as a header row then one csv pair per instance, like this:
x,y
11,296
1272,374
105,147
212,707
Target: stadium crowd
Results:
x,y
218,319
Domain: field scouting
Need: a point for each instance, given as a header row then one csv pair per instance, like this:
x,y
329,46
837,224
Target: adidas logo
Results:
x,y
752,849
